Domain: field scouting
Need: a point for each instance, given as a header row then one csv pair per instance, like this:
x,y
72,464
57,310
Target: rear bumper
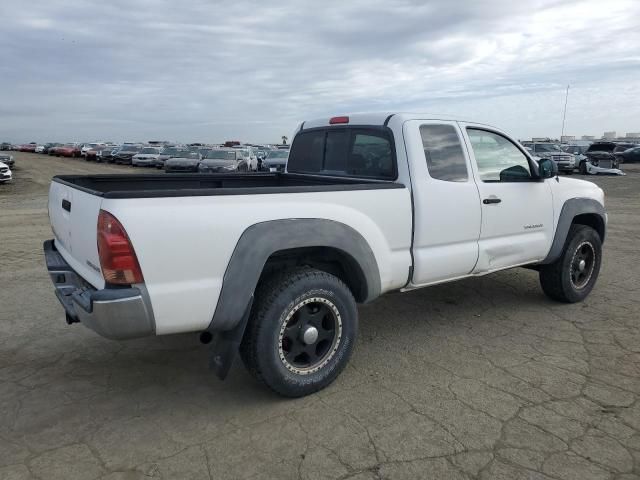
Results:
x,y
116,313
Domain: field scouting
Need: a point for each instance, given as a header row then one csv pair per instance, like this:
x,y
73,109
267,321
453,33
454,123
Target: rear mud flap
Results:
x,y
226,346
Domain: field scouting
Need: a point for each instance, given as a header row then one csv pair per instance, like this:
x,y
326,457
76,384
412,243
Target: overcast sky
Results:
x,y
210,70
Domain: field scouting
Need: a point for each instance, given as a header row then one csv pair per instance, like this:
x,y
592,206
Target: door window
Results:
x,y
498,159
443,152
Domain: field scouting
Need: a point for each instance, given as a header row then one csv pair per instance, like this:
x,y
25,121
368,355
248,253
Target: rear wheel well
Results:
x,y
591,220
328,259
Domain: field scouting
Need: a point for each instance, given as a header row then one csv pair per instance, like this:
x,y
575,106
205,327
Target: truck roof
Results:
x,y
379,118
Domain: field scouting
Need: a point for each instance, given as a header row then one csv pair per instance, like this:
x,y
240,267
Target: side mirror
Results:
x,y
547,168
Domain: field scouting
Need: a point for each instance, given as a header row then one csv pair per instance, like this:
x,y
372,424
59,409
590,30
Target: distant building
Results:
x,y
567,138
540,139
609,135
633,135
590,138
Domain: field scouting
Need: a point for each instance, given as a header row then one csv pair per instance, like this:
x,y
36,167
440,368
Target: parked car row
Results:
x,y
588,159
193,158
605,157
196,157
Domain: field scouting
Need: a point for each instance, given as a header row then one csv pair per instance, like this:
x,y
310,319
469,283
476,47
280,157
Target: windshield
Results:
x,y
547,147
149,150
221,155
278,154
185,154
170,151
576,149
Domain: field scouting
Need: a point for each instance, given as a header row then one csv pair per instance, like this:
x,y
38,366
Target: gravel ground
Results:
x,y
484,378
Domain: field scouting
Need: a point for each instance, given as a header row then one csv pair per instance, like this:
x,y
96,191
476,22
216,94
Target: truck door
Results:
x,y
517,208
446,202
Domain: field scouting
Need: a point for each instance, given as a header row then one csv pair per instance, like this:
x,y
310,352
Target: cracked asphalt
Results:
x,y
484,378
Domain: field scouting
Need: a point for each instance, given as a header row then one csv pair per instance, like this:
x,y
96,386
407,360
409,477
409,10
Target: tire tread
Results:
x,y
552,278
269,290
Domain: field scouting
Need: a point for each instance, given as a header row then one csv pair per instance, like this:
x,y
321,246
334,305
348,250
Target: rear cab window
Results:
x,y
361,152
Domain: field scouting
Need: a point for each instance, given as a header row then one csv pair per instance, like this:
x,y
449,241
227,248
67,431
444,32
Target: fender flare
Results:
x,y
261,240
570,210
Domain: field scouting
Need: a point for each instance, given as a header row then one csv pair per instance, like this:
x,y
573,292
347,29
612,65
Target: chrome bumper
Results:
x,y
116,313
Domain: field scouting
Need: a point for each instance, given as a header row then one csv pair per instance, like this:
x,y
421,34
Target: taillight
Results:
x,y
335,120
117,258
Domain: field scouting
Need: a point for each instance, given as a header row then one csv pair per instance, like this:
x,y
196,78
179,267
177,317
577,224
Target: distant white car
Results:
x,y
39,149
5,173
250,157
147,157
90,146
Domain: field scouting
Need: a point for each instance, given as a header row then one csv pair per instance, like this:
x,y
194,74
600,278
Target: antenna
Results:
x,y
564,113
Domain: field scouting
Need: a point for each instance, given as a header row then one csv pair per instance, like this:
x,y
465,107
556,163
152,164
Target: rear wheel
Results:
x,y
572,276
301,331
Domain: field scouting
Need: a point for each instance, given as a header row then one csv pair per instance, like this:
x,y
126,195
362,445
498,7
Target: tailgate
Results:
x,y
74,218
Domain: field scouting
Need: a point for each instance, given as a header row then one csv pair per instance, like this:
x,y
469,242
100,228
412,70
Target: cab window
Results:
x,y
347,152
443,153
497,157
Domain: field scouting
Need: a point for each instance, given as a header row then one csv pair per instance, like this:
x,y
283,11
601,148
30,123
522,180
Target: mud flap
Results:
x,y
226,346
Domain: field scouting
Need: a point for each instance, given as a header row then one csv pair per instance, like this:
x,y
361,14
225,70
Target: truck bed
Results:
x,y
198,184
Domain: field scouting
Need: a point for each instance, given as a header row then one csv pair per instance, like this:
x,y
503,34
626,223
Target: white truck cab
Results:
x,y
274,263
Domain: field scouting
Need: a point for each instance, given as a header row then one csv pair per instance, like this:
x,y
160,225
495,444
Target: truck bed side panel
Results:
x,y
184,243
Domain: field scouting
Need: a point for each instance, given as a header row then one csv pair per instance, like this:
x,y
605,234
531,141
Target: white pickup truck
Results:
x,y
275,263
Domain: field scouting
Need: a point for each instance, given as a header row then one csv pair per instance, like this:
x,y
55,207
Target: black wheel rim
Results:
x,y
310,335
582,264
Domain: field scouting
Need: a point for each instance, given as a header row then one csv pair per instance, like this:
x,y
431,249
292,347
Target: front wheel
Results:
x,y
301,331
583,168
572,276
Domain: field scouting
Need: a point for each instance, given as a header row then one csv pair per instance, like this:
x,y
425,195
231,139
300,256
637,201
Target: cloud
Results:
x,y
209,71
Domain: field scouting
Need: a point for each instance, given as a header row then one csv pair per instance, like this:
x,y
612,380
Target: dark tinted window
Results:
x,y
307,152
371,156
354,152
336,150
443,152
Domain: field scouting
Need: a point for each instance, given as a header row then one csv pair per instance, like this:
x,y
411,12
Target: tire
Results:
x,y
568,279
286,304
583,168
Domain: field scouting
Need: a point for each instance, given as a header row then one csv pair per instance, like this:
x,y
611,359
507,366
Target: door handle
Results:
x,y
66,205
488,201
